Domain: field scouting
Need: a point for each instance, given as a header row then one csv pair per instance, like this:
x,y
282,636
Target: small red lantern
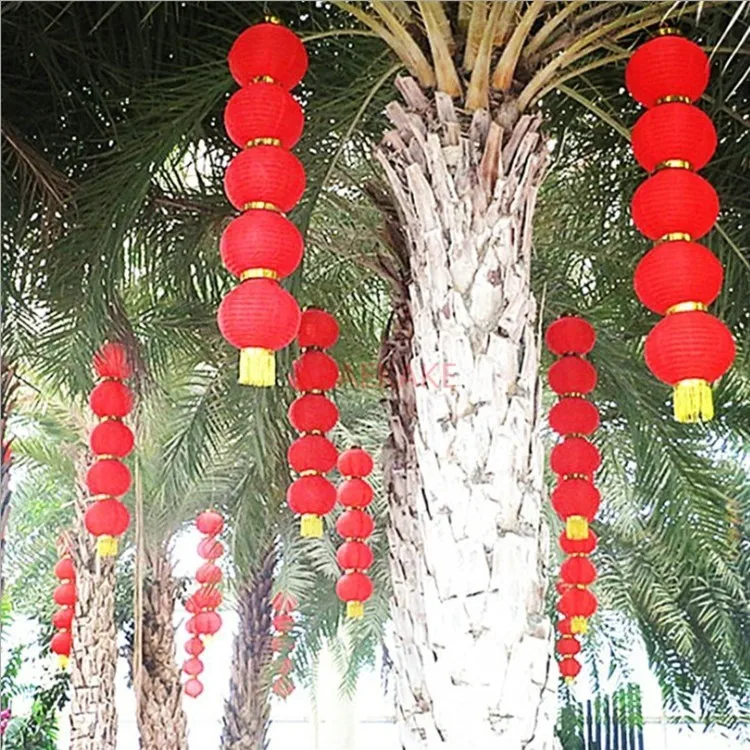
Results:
x,y
282,686
578,570
578,546
65,595
355,524
63,618
64,570
208,574
284,603
108,476
313,413
576,501
312,453
355,589
355,462
569,668
311,497
577,603
568,646
107,519
318,329
354,556
315,371
572,375
207,623
61,645
210,549
111,438
563,626
574,416
355,493
111,361
111,398
193,666
570,335
193,688
204,598
194,646
284,623
210,523
575,456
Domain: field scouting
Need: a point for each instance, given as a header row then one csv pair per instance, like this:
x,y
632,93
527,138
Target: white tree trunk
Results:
x,y
464,466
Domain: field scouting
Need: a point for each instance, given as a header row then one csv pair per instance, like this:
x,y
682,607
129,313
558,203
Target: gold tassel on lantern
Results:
x,y
257,367
106,546
579,625
62,661
693,401
355,610
311,526
577,527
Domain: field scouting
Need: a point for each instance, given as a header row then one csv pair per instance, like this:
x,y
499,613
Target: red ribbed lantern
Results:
x,y
64,570
207,623
354,556
63,618
572,375
108,476
355,589
570,335
575,456
111,438
107,518
111,398
194,646
569,668
206,597
576,501
193,666
674,132
65,594
261,239
574,416
318,328
315,371
262,112
568,646
689,351
268,50
355,524
311,496
193,688
355,493
312,453
282,686
210,548
355,462
577,603
563,626
578,570
210,522
61,645
674,273
313,413
578,546
673,203
667,67
284,623
208,573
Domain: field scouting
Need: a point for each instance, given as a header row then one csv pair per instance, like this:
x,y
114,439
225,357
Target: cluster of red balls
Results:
x,y
65,597
312,455
689,349
355,525
205,600
574,460
109,478
264,181
282,644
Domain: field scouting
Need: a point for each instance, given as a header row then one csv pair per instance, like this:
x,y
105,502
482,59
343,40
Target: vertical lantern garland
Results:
x,y
574,460
312,414
264,181
65,597
110,441
205,600
354,556
282,644
678,278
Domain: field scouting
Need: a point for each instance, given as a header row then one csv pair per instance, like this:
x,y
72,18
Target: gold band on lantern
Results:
x,y
668,31
110,419
311,473
264,79
573,394
107,457
674,164
674,237
575,476
687,307
103,496
264,205
263,142
258,273
273,19
671,98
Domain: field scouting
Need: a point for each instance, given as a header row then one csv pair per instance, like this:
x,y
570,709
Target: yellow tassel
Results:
x,y
693,401
355,610
569,680
257,367
62,661
106,546
577,527
311,526
579,625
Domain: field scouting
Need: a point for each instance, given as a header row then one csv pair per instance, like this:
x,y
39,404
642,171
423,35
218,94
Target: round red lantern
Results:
x,y
63,618
268,51
570,335
206,597
574,416
674,273
318,328
111,398
65,595
675,204
193,666
263,113
268,176
313,412
111,438
578,604
207,623
578,570
569,668
568,646
563,626
667,67
355,589
282,686
61,643
107,519
311,497
284,623
676,134
111,361
355,493
108,476
314,371
194,646
208,574
578,546
356,462
689,351
572,375
354,556
312,453
575,455
210,522
65,570
210,548
355,524
576,501
193,688
261,239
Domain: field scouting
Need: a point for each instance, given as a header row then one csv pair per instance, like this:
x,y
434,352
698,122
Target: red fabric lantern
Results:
x,y
673,273
194,646
578,546
311,497
263,112
354,556
261,239
206,597
61,643
575,455
674,132
193,688
108,477
65,595
265,175
111,438
283,623
667,66
576,501
568,646
268,50
570,335
210,522
313,413
574,416
563,626
355,589
571,375
314,371
111,398
569,668
312,453
207,623
64,569
193,666
63,618
208,574
282,686
355,462
107,519
578,570
210,548
318,328
561,587
355,493
111,361
675,202
355,524
578,604
689,351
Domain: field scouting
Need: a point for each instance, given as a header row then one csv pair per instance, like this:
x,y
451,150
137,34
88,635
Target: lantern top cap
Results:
x,y
668,31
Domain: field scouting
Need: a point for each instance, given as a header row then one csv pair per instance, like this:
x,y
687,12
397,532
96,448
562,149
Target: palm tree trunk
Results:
x,y
161,720
247,710
464,464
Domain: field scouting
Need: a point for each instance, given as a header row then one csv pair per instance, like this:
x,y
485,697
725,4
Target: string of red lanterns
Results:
x,y
575,498
264,181
313,414
282,644
205,600
678,278
355,525
65,597
110,441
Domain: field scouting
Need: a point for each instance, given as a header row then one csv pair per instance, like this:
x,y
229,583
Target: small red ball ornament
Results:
x,y
210,522
569,668
65,595
193,688
314,371
355,462
194,646
108,477
312,453
313,413
355,589
572,375
568,646
578,571
570,335
63,618
355,524
354,556
65,570
575,455
578,546
210,548
318,328
574,416
61,644
355,493
110,398
111,438
193,666
208,574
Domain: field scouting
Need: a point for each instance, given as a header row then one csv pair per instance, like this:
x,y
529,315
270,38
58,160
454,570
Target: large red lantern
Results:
x,y
312,453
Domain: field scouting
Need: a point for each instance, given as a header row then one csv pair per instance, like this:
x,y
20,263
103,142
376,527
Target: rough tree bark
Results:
x,y
161,719
464,464
247,710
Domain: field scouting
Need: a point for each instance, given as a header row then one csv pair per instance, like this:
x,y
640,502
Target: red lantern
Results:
x,y
575,456
282,686
284,603
193,688
110,398
61,644
64,570
563,626
569,668
111,438
674,273
263,113
578,570
354,556
312,453
311,497
283,623
689,351
194,646
193,667
210,522
207,623
355,462
208,574
355,493
578,546
561,587
675,204
572,375
355,589
577,603
576,501
318,329
106,520
210,548
63,618
205,598
268,51
355,524
65,595
265,177
570,335
111,361
667,67
574,416
108,476
568,646
314,371
313,413
674,134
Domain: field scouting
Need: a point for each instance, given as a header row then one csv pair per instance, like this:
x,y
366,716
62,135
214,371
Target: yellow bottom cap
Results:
x,y
693,401
106,546
311,526
577,527
257,367
355,610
